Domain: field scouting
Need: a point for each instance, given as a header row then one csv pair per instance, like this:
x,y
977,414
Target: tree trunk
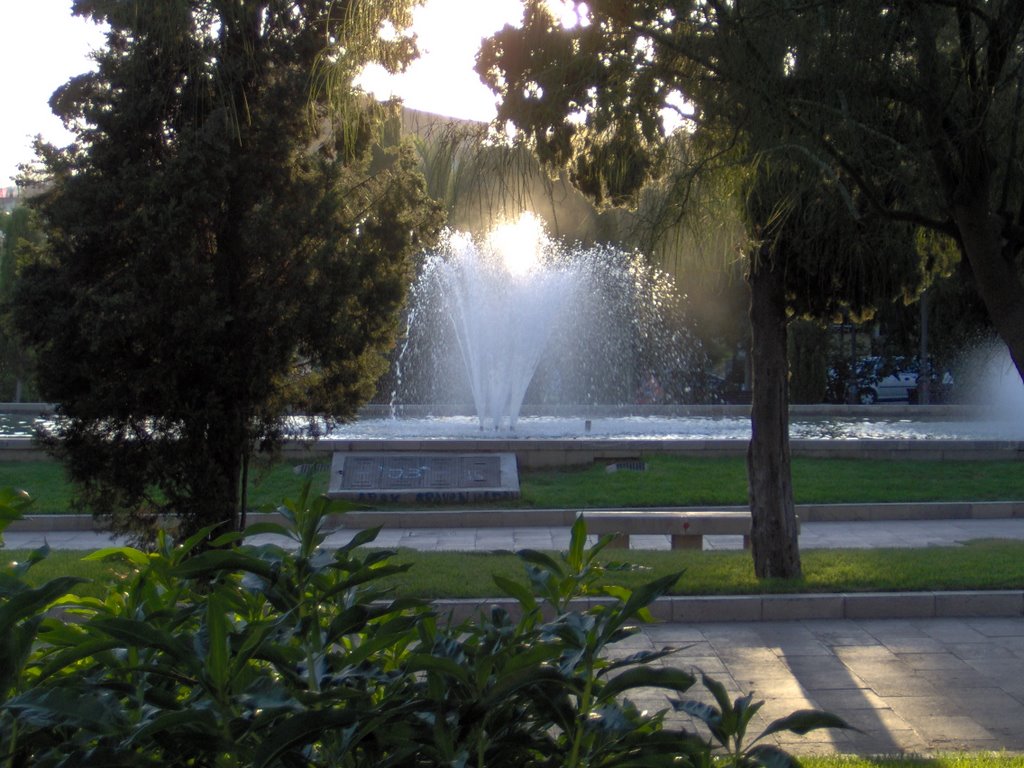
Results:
x,y
773,533
995,275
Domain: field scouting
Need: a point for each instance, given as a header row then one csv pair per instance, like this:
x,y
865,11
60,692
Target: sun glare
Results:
x,y
519,244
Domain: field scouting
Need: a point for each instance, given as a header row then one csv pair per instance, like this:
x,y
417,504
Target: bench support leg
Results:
x,y
746,542
619,541
687,541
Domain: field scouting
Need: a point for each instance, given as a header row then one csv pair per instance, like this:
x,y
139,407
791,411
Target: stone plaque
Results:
x,y
428,478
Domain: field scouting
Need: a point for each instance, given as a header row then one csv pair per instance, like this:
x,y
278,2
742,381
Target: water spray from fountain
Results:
x,y
527,314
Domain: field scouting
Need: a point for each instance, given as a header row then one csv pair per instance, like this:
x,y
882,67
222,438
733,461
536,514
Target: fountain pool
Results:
x,y
699,423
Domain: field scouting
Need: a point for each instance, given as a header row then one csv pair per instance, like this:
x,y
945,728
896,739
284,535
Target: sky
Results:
x,y
42,45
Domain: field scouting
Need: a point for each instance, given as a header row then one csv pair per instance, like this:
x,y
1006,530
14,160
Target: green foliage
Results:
x,y
808,362
292,655
228,241
18,232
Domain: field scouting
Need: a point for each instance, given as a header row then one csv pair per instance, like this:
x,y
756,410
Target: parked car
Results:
x,y
891,380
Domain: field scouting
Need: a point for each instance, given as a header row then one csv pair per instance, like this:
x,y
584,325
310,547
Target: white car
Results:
x,y
889,382
897,386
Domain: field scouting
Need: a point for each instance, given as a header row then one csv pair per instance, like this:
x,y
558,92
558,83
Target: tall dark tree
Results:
x,y
227,243
590,99
18,231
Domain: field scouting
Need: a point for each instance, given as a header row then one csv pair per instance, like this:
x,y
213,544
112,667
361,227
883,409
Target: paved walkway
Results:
x,y
912,686
890,533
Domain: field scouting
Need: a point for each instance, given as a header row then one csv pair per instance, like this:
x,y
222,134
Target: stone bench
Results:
x,y
687,528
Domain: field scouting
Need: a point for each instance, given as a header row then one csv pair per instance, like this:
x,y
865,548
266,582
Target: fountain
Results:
x,y
994,380
515,316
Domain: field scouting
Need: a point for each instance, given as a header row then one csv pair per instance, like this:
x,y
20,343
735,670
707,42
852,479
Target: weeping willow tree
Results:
x,y
228,241
481,177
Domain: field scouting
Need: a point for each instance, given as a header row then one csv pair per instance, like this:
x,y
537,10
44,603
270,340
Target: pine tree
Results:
x,y
228,242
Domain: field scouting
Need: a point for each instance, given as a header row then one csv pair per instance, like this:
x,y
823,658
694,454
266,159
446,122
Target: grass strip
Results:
x,y
686,481
668,481
950,760
977,565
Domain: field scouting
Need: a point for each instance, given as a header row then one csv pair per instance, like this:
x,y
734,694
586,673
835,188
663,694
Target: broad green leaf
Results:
x,y
646,594
12,502
75,653
144,635
299,730
226,539
647,677
724,703
217,630
707,714
257,529
577,544
541,560
364,536
508,683
193,541
620,593
517,591
698,709
218,560
131,554
640,657
805,720
422,662
31,602
68,706
194,720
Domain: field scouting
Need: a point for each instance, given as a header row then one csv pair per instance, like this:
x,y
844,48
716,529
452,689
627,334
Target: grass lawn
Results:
x,y
976,565
958,760
668,481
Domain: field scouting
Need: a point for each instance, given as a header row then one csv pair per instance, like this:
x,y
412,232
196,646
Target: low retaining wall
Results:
x,y
554,454
803,607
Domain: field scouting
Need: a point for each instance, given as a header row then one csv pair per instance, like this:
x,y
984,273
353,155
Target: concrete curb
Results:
x,y
755,608
556,518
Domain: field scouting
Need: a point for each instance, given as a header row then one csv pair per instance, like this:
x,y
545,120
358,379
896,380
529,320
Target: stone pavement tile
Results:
x,y
847,700
687,648
1013,643
841,633
944,663
997,627
674,634
993,668
865,654
746,654
885,629
893,682
799,649
976,651
954,732
951,630
709,665
914,645
990,703
886,741
772,687
776,632
829,678
728,635
634,642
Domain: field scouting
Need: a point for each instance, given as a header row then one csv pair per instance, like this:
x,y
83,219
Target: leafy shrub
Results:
x,y
254,654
